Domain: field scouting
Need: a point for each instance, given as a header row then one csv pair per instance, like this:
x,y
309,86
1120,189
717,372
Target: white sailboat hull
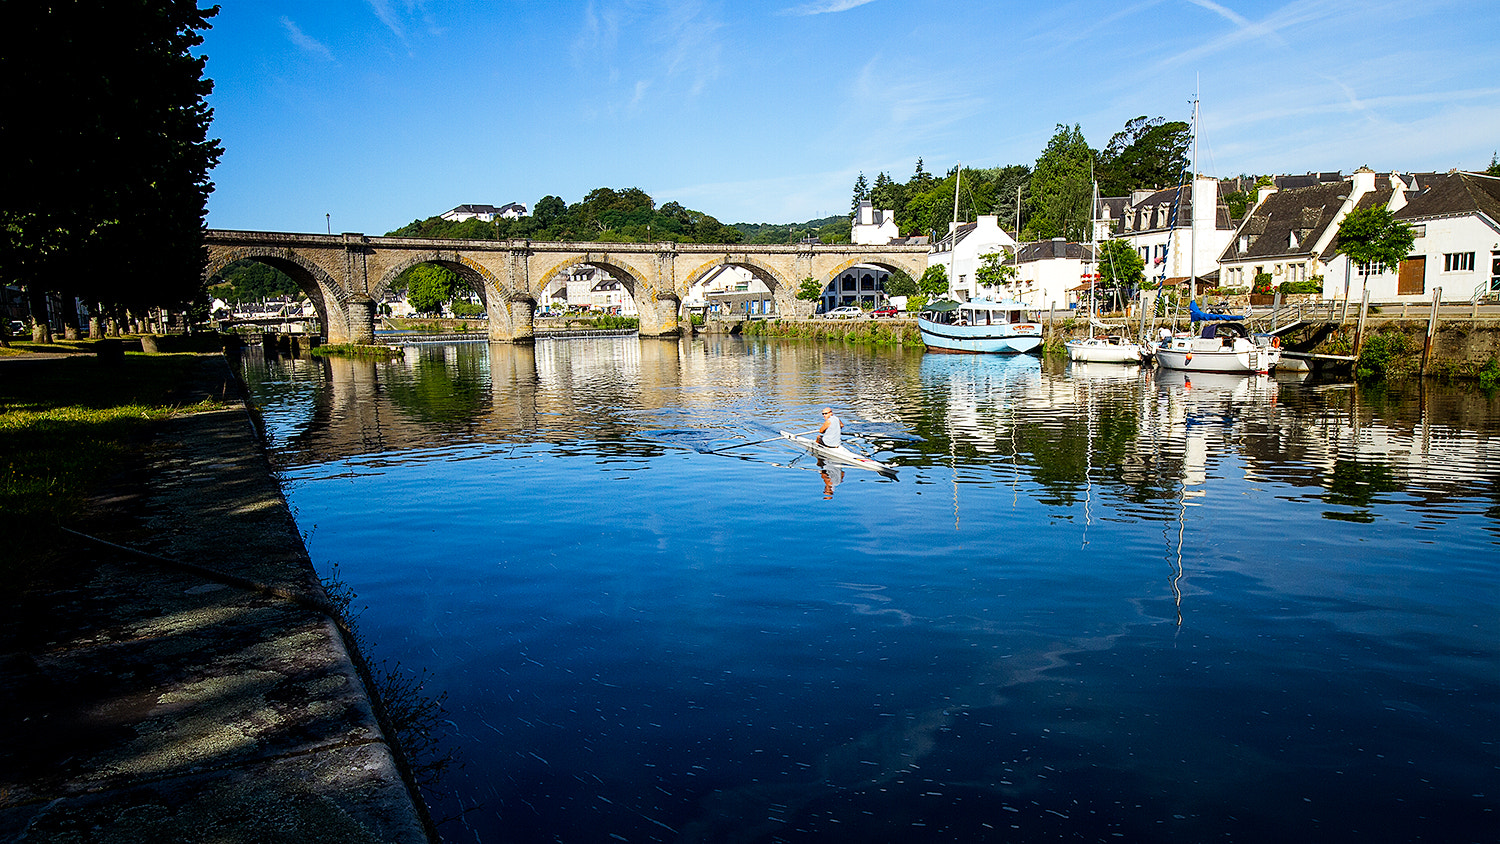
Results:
x,y
1104,350
1196,354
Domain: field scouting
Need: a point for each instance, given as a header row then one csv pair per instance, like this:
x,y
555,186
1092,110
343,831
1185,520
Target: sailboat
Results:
x,y
978,326
1101,345
1223,343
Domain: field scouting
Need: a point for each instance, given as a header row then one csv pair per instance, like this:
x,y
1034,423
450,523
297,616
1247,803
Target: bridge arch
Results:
x,y
766,273
656,300
321,288
888,263
479,279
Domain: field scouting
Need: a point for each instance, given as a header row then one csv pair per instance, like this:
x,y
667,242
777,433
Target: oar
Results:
x,y
742,445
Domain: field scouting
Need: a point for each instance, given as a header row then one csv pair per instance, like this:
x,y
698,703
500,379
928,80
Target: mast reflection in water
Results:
x,y
1099,603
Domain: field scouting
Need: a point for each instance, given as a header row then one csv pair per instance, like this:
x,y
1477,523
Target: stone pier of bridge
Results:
x,y
346,275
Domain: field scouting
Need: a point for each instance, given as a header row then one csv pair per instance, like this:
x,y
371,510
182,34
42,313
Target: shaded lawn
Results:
x,y
69,424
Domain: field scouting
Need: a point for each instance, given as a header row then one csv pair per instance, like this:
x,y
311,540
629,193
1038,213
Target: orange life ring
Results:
x,y
1275,342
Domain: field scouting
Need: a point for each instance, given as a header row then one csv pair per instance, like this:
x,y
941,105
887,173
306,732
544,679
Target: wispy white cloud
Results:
x,y
1226,14
660,42
304,41
825,7
388,16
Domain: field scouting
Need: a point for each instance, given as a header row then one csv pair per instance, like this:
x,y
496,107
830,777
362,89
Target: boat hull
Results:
x,y
1094,350
1195,355
841,454
1000,339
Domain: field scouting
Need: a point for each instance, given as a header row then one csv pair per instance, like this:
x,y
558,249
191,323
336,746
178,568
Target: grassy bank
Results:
x,y
69,424
351,350
870,331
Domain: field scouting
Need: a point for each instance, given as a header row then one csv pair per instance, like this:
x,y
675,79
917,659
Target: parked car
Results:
x,y
846,312
885,312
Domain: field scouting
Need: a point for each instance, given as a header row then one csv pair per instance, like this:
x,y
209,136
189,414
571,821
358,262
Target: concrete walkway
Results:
x,y
141,702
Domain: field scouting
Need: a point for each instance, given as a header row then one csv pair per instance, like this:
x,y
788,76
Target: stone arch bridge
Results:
x,y
346,274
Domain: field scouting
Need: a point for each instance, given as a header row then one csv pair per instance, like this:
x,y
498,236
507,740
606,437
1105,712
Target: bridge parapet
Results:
x,y
344,274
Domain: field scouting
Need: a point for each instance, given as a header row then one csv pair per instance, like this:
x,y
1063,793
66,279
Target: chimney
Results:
x,y
1364,182
1059,247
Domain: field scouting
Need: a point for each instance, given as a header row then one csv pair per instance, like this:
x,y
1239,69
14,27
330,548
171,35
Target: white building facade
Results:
x,y
961,253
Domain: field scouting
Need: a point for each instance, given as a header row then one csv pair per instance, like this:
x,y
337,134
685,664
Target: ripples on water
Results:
x,y
1098,604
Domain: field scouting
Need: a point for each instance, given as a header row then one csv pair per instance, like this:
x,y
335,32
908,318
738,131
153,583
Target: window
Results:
x,y
1495,271
1458,262
1372,268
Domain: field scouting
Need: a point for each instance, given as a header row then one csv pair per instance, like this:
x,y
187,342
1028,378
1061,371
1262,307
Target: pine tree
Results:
x,y
861,193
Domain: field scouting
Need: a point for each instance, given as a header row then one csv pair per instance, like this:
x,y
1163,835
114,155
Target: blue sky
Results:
x,y
379,112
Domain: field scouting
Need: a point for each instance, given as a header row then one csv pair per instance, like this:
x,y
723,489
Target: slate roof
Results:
x,y
1450,194
1043,250
1307,212
1156,212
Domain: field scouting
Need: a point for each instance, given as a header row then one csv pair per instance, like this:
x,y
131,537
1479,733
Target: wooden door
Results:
x,y
1412,281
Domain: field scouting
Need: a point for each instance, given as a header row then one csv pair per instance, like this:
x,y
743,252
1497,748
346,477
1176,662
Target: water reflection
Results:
x,y
1101,603
1127,435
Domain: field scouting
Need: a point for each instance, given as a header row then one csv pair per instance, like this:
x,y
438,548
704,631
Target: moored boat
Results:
x,y
1104,348
1220,347
979,326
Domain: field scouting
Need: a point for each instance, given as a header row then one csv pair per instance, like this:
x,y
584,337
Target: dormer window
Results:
x,y
1292,240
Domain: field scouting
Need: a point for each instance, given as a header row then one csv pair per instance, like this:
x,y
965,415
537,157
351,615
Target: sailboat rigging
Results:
x,y
1101,344
1223,344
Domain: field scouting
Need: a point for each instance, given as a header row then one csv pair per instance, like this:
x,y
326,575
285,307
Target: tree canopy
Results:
x,y
1373,236
106,198
1120,267
1145,154
428,286
605,214
1062,187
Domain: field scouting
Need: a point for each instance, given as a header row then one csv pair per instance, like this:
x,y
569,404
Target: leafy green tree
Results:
x,y
252,281
428,287
1145,154
549,210
106,199
809,290
1061,188
900,283
1494,168
1371,236
993,271
1120,267
934,282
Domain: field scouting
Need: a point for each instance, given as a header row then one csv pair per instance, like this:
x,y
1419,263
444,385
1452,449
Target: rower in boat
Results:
x,y
832,432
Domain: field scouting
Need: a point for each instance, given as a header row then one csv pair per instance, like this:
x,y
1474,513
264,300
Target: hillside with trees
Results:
x,y
1051,196
606,215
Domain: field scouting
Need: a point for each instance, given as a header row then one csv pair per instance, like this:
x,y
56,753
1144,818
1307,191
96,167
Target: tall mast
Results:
x,y
1193,209
953,232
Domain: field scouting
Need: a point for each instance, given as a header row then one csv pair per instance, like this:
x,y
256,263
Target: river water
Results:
x,y
1097,604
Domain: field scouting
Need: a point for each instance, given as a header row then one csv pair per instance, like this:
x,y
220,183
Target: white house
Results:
x,y
1456,219
596,290
1174,235
1049,274
485,213
959,254
1292,234
873,227
861,285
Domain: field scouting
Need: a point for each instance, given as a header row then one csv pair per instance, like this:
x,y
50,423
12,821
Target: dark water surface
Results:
x,y
1097,605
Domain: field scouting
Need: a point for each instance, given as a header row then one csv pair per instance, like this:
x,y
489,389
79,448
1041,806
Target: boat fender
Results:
x,y
1275,342
1189,358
